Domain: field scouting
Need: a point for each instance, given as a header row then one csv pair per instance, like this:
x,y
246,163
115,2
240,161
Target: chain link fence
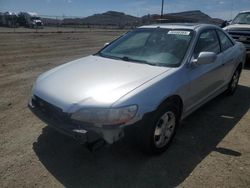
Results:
x,y
46,23
31,22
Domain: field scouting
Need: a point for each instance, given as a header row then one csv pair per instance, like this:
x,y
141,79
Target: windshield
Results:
x,y
242,18
158,47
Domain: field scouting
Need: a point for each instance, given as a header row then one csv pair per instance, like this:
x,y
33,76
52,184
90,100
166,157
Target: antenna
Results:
x,y
162,5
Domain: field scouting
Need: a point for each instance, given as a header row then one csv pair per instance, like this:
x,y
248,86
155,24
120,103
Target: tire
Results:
x,y
159,129
233,83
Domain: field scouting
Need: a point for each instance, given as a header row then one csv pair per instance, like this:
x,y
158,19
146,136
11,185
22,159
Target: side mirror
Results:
x,y
107,43
206,58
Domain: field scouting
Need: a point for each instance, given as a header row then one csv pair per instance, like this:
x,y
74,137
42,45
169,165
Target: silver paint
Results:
x,y
99,82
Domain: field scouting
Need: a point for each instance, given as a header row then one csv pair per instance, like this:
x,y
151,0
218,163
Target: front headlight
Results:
x,y
106,116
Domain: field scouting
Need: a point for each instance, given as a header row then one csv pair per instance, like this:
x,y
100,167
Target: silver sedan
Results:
x,y
144,83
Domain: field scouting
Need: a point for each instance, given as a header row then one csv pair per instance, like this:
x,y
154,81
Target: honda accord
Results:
x,y
145,81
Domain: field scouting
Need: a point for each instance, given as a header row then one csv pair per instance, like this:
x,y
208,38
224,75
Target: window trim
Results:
x,y
217,32
205,30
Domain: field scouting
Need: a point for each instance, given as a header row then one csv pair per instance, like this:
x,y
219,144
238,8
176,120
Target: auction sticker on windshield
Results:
x,y
178,32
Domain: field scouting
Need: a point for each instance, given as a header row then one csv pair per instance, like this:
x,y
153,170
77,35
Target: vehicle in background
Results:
x,y
9,19
239,29
142,83
30,19
1,19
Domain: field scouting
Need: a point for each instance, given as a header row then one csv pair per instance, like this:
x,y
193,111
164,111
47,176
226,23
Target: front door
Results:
x,y
205,79
227,48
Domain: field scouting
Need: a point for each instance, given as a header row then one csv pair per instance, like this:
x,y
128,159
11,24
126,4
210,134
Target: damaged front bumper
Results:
x,y
60,121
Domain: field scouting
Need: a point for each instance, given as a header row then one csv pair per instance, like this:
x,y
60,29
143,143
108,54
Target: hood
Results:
x,y
92,81
238,27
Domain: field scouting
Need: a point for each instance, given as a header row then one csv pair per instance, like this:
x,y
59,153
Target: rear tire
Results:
x,y
159,129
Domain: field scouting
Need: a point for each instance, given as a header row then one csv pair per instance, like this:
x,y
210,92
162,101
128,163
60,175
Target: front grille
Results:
x,y
54,115
59,120
49,110
241,36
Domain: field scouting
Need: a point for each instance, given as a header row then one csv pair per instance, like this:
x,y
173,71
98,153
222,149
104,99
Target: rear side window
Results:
x,y
207,42
224,41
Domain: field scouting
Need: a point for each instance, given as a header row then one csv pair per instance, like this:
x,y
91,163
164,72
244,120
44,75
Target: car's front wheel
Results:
x,y
160,128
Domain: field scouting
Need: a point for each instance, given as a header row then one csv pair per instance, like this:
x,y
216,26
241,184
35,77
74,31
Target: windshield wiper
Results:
x,y
126,58
107,56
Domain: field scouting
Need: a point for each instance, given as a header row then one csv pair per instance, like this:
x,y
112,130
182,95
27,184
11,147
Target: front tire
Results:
x,y
159,129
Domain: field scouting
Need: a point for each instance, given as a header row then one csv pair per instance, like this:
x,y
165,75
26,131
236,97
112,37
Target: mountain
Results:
x,y
120,19
195,16
111,18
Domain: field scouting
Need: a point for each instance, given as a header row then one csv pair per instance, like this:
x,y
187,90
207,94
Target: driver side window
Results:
x,y
207,42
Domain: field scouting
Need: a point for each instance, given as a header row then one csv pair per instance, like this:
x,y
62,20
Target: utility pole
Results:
x,y
162,5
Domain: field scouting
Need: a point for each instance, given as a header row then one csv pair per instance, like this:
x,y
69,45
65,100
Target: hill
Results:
x,y
187,16
111,18
121,19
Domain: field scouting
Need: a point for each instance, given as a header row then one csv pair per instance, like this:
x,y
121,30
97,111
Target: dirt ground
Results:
x,y
211,148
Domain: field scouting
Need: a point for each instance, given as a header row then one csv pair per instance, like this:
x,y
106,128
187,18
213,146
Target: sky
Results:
x,y
225,9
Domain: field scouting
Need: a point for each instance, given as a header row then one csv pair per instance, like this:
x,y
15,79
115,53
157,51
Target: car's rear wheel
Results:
x,y
160,129
234,82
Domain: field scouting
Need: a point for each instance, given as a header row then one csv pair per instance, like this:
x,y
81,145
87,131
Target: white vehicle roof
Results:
x,y
245,11
32,13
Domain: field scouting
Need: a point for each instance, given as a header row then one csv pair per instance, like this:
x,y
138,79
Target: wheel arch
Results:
x,y
239,66
174,99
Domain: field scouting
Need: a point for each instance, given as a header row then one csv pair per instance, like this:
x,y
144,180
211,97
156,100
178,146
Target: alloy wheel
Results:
x,y
164,129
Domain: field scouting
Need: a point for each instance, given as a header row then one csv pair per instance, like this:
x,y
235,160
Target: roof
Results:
x,y
192,26
245,11
32,13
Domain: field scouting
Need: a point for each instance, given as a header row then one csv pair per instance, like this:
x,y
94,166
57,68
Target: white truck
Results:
x,y
239,29
30,19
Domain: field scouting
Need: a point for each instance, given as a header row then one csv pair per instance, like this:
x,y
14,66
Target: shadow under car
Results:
x,y
122,165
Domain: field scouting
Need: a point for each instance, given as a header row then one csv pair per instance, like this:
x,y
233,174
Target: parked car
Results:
x,y
146,81
239,29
